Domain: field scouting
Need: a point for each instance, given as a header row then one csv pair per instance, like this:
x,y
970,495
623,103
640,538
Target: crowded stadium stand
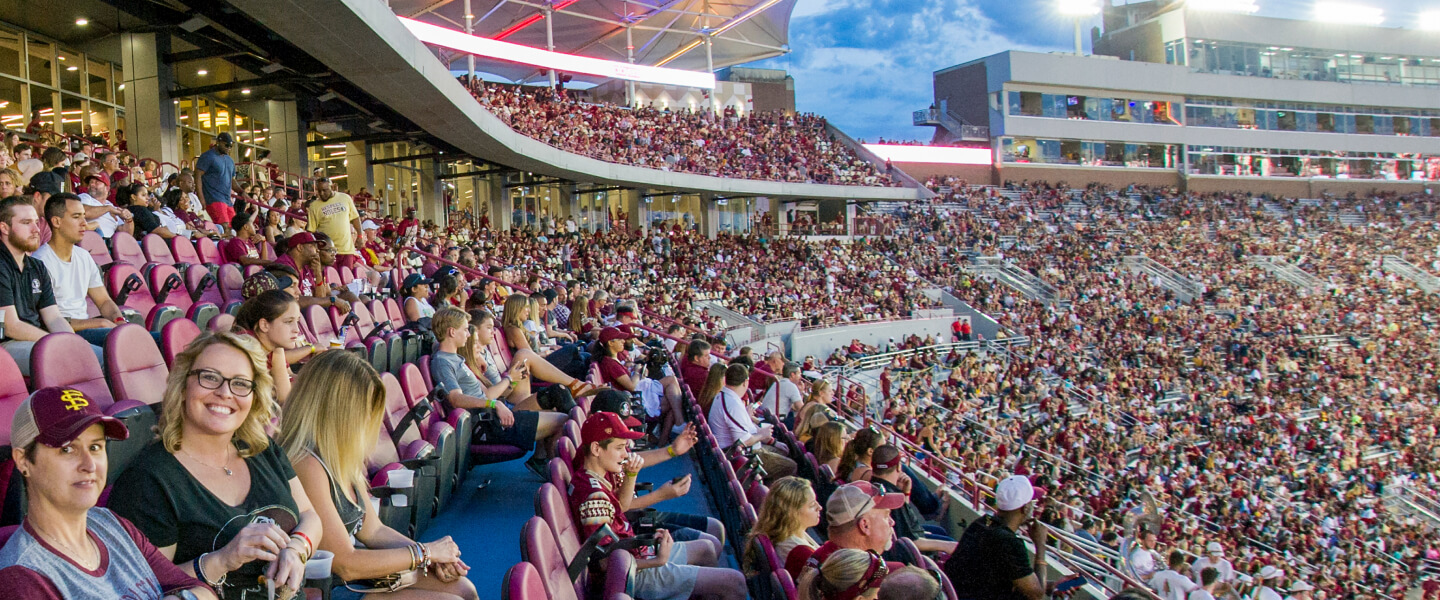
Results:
x,y
366,303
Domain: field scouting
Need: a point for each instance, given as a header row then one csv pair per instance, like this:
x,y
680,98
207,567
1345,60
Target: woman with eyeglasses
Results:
x,y
215,494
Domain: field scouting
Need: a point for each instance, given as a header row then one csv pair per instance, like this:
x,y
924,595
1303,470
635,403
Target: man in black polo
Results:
x,y
27,300
991,561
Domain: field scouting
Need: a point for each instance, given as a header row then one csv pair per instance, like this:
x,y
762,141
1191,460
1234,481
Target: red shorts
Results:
x,y
348,260
221,213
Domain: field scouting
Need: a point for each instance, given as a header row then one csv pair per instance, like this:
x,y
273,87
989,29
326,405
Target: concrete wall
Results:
x,y
821,342
963,92
976,174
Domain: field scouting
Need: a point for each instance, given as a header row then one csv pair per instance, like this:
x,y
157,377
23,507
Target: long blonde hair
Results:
x,y
779,516
335,410
251,433
514,305
840,571
579,310
816,389
812,416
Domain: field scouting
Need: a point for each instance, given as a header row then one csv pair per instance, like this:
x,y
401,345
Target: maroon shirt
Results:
x,y
595,504
235,248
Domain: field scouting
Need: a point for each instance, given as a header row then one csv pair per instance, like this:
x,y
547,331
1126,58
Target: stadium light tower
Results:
x,y
1340,12
1079,9
1235,6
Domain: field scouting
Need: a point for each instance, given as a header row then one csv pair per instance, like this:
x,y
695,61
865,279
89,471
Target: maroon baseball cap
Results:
x,y
303,237
55,416
609,334
602,426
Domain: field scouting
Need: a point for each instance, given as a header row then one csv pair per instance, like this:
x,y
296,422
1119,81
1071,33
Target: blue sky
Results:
x,y
867,64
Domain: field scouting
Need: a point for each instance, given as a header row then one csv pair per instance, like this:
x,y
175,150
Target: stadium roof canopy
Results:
x,y
668,32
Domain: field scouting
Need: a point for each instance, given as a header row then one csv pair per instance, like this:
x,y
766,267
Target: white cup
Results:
x,y
318,567
399,500
402,478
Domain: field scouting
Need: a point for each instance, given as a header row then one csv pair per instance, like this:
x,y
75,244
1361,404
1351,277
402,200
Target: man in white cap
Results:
x,y
1269,577
1300,591
859,516
990,561
1215,557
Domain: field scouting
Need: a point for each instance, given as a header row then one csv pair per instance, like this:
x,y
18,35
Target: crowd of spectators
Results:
x,y
759,145
1267,417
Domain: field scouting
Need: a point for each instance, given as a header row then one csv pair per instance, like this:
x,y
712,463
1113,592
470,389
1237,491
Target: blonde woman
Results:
x,y
565,366
811,417
333,419
788,512
580,322
215,494
848,574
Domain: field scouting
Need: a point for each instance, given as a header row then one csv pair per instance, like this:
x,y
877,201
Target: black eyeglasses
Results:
x,y
212,380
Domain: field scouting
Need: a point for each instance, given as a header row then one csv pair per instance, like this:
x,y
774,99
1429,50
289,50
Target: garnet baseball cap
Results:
x,y
602,426
609,334
852,500
303,237
55,416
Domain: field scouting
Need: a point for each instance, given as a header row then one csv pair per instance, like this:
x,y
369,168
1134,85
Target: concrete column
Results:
x,y
149,110
357,167
287,137
708,216
632,201
500,203
431,200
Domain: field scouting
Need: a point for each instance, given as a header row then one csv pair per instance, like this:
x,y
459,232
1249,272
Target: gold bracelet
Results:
x,y
671,451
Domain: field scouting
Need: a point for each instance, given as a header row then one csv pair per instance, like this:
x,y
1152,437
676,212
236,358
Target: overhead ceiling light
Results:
x,y
245,91
1237,6
202,72
193,24
271,68
72,68
1340,12
82,21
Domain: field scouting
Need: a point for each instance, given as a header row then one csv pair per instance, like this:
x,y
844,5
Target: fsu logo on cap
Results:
x,y
74,399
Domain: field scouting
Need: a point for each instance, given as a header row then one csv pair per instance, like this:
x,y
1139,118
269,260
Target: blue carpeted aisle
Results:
x,y
486,523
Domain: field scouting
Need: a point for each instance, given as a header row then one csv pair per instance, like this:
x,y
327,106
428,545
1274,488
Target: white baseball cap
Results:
x,y
1301,586
368,225
1013,492
1214,548
1270,572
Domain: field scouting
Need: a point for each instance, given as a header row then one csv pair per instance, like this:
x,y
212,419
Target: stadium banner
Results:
x,y
560,61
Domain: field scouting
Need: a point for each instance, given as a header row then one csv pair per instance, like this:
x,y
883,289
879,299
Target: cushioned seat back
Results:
x,y
156,251
347,275
175,336
366,321
378,312
414,384
396,408
350,334
550,504
95,245
537,547
184,251
137,370
320,324
231,280
424,365
560,475
209,251
139,297
522,582
397,316
199,278
125,249
161,277
66,360
12,393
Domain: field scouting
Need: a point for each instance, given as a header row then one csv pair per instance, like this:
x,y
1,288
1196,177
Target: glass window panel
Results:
x,y
203,118
11,103
72,72
72,117
99,76
42,103
41,68
260,133
120,87
10,53
102,120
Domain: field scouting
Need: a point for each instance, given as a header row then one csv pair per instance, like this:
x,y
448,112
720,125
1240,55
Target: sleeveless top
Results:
x,y
425,309
123,571
351,513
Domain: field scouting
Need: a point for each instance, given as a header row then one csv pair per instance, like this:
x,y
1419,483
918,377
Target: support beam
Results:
x,y
249,83
484,173
541,181
389,136
201,54
395,159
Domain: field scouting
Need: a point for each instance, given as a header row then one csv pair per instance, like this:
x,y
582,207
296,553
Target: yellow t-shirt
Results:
x,y
332,218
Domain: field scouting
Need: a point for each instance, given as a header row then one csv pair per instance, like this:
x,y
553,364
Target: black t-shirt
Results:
x,y
145,219
987,560
25,286
908,521
171,507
